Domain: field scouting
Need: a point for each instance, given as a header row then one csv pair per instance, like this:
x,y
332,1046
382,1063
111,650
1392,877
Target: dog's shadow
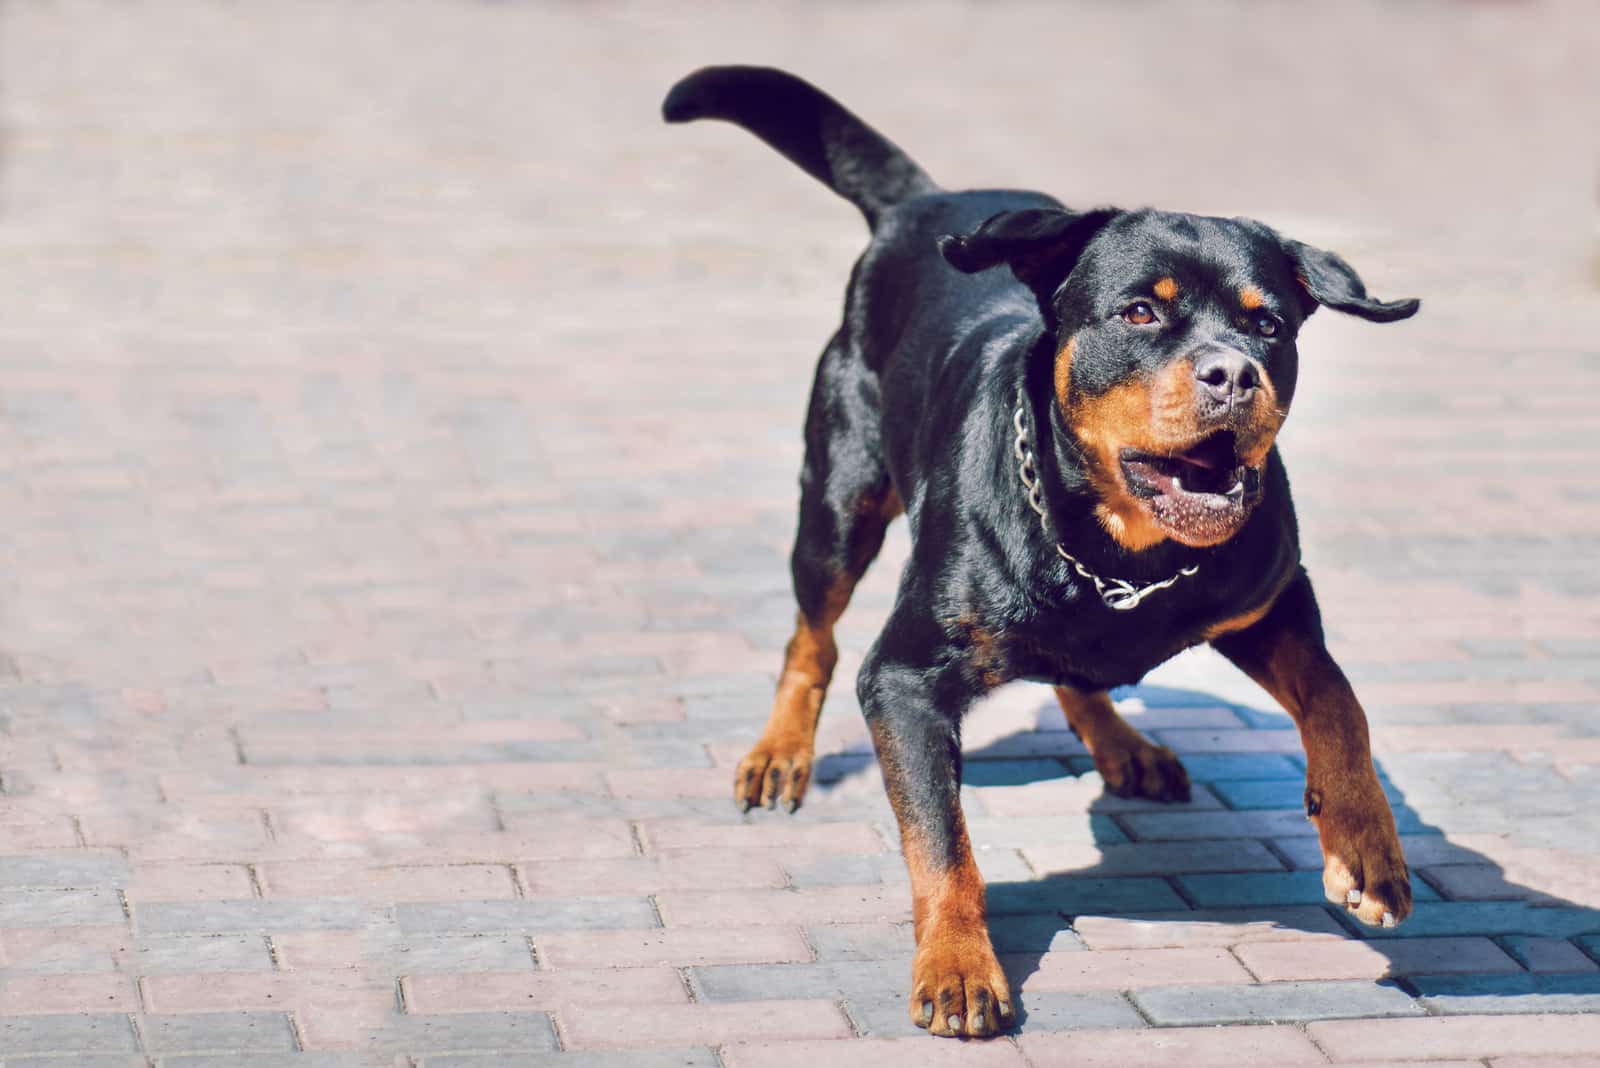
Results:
x,y
1240,867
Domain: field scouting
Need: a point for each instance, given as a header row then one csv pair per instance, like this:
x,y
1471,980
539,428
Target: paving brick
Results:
x,y
428,995
26,995
78,869
207,917
177,881
814,905
59,908
862,941
600,1027
766,834
544,914
1153,858
66,1033
1489,918
702,869
872,1053
1122,970
503,1033
221,992
822,980
1211,927
887,1016
1219,1047
1548,954
1179,1006
1436,1038
1522,993
672,946
1266,888
1079,894
1279,961
680,1057
1033,933
215,1032
384,883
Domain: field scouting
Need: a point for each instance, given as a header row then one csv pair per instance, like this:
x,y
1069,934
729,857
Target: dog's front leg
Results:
x,y
1363,866
957,987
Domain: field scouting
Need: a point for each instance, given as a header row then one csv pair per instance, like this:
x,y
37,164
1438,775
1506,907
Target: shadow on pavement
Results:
x,y
1477,941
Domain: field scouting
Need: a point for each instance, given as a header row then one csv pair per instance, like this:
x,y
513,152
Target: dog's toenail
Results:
x,y
927,1012
1389,920
977,1022
954,1022
1353,896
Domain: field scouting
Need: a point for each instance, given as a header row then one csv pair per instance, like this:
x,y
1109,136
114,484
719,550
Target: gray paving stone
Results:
x,y
1043,1011
81,868
861,941
301,1059
1490,918
427,953
1192,1006
217,1032
687,1057
1023,933
1020,832
1268,888
541,914
824,979
63,1034
480,1032
206,917
1075,895
59,908
159,954
1487,994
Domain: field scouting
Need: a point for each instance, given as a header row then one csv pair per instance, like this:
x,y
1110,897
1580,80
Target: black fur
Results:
x,y
916,393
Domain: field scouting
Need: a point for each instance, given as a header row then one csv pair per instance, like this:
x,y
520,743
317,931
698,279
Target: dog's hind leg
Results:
x,y
1131,764
846,504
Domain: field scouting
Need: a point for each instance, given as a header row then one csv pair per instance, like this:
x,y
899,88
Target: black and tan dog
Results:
x,y
1075,411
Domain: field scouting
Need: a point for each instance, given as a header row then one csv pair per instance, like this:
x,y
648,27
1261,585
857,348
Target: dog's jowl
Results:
x,y
1076,413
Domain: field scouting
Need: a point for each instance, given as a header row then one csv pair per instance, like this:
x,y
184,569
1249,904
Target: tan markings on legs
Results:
x,y
1364,867
1234,623
778,768
957,985
1130,764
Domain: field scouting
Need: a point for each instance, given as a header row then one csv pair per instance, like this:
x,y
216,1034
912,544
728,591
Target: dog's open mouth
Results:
x,y
1202,495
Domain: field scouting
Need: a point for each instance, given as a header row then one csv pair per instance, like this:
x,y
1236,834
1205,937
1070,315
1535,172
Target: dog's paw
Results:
x,y
957,987
1134,766
775,771
1364,868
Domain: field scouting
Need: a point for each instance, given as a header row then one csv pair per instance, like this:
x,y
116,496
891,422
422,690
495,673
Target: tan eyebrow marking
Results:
x,y
1250,298
1166,289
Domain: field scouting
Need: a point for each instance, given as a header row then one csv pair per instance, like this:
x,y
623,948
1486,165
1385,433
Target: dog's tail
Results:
x,y
809,127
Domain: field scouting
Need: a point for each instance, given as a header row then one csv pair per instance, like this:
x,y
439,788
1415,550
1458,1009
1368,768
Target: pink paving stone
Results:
x,y
1458,1036
23,995
690,869
1579,1061
277,783
177,881
770,833
677,948
685,1025
873,1053
524,991
385,883
1283,961
1126,969
1220,1046
1296,923
1239,740
827,904
318,951
88,948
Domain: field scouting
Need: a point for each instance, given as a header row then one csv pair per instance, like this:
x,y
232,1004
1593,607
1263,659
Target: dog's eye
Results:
x,y
1266,326
1139,314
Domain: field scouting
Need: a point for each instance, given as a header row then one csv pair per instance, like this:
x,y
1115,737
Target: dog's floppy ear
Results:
x,y
1325,278
1040,245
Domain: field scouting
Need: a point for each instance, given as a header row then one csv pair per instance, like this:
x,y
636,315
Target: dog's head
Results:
x,y
1174,342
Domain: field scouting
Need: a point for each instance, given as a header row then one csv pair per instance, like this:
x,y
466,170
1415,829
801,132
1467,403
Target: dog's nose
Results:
x,y
1227,376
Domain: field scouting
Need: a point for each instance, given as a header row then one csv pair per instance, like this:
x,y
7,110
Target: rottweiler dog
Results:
x,y
1076,413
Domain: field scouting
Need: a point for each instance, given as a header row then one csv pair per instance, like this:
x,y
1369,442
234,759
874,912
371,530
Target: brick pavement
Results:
x,y
398,430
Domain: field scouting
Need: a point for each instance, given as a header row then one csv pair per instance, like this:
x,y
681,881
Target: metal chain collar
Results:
x,y
1118,595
